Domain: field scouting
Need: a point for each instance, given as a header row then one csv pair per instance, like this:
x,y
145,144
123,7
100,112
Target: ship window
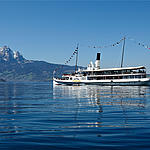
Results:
x,y
65,78
84,74
71,78
138,76
89,78
143,76
131,77
125,77
76,78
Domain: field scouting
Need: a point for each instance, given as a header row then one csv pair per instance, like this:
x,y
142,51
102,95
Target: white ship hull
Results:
x,y
119,82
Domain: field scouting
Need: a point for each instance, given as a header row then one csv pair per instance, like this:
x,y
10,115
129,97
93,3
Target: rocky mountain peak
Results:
x,y
8,55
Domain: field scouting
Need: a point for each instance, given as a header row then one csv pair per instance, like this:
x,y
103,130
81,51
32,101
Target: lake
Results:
x,y
40,116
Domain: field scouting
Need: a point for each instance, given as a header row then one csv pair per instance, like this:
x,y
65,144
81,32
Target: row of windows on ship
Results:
x,y
108,77
113,72
117,77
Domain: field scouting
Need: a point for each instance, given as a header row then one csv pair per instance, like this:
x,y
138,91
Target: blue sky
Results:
x,y
50,30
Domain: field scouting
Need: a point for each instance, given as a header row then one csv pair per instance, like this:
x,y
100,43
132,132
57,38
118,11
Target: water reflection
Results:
x,y
113,102
104,95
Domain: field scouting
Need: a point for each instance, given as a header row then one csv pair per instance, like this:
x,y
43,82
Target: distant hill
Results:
x,y
14,67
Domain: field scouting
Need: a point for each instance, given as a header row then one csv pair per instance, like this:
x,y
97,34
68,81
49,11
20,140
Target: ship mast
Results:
x,y
123,52
76,66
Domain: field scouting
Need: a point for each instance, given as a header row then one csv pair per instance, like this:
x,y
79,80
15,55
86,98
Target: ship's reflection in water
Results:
x,y
114,106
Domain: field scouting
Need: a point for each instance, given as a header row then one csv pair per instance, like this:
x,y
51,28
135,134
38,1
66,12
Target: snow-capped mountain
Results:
x,y
14,67
7,55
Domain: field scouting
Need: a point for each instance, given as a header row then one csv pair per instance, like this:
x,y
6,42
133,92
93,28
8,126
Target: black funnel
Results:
x,y
98,56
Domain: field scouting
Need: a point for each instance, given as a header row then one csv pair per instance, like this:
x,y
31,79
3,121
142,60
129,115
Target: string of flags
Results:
x,y
75,52
61,67
106,46
117,43
139,43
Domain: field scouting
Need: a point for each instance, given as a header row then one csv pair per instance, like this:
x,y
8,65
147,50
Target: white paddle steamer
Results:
x,y
93,74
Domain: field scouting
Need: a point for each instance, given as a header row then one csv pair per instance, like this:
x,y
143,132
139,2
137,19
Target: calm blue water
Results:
x,y
40,116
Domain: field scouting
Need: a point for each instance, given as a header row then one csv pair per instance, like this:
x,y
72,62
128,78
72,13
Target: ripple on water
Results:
x,y
38,115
